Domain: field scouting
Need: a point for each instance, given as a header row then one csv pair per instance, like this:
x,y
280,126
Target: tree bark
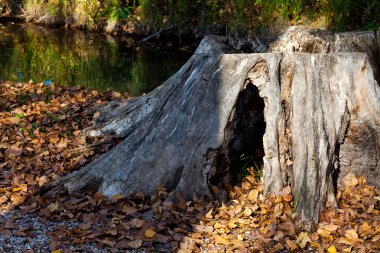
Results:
x,y
320,114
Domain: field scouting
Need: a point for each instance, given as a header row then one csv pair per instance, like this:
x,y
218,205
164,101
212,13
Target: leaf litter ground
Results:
x,y
41,140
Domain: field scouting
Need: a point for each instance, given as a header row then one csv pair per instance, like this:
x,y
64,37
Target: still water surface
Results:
x,y
76,58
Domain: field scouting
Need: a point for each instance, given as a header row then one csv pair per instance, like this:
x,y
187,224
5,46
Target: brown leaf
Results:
x,y
350,180
14,151
162,238
17,199
123,244
204,229
292,245
85,226
6,232
53,207
13,120
129,209
136,223
135,244
107,242
3,199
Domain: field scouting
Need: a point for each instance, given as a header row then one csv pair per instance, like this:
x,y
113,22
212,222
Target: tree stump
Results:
x,y
313,116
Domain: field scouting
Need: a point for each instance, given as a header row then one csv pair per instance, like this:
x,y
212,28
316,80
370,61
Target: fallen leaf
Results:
x,y
13,120
291,244
136,223
351,234
122,244
53,207
221,239
17,199
129,210
302,239
204,229
331,249
252,195
149,233
350,180
135,244
117,197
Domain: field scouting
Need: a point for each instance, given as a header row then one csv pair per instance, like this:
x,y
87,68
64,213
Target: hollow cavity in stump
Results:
x,y
246,149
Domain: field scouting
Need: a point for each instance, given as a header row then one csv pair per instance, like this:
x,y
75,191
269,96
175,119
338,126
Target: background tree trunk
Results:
x,y
320,114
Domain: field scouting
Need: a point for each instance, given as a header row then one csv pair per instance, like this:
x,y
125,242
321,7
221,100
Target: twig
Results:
x,y
161,31
89,146
18,6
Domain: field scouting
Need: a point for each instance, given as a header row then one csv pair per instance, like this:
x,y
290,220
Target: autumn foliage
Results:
x,y
41,140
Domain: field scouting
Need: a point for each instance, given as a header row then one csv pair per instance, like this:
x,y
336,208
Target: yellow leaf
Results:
x,y
330,227
323,232
238,243
218,225
349,249
208,215
247,212
16,189
288,198
222,239
302,239
252,195
117,197
56,251
331,249
315,245
231,225
366,229
362,180
149,233
351,234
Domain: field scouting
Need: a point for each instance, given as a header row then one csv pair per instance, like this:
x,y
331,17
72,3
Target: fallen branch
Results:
x,y
89,146
18,6
161,31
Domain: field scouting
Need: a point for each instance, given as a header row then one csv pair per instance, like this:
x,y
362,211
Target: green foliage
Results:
x,y
116,10
235,15
245,165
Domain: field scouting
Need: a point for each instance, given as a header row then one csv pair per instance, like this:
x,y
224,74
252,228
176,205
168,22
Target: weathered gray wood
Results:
x,y
329,95
181,125
319,111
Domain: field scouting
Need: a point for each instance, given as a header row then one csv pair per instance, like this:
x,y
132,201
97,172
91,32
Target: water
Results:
x,y
76,58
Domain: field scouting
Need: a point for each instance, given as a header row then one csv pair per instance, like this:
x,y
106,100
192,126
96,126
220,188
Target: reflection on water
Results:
x,y
88,60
